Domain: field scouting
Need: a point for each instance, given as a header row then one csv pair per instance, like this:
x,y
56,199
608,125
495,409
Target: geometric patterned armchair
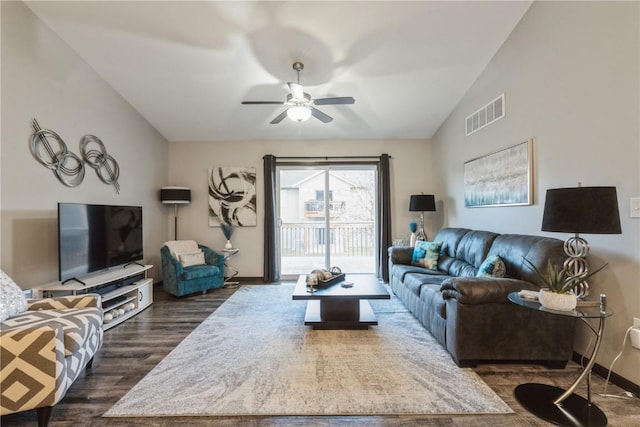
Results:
x,y
45,349
188,267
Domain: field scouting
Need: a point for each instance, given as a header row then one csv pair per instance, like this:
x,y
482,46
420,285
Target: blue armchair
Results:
x,y
188,267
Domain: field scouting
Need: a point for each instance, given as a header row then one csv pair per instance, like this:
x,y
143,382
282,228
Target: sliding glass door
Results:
x,y
327,218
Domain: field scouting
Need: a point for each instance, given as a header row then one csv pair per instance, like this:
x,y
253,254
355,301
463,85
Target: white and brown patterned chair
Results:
x,y
44,349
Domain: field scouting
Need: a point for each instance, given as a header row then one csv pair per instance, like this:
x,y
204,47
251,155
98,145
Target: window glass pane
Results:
x,y
316,234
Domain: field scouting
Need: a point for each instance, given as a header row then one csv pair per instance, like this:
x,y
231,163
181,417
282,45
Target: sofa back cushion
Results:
x,y
471,252
450,238
512,248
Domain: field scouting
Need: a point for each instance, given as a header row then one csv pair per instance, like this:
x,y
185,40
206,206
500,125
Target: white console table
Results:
x,y
125,291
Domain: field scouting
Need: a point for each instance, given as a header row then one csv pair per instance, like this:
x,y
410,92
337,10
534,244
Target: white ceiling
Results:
x,y
186,66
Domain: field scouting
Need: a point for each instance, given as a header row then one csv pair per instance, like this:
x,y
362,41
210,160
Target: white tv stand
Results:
x,y
126,289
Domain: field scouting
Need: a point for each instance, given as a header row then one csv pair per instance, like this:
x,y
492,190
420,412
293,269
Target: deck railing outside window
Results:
x,y
308,238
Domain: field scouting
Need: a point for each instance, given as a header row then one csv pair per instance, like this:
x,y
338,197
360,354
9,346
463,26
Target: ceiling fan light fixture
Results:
x,y
299,113
301,104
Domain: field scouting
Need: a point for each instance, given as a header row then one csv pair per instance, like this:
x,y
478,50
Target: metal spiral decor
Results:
x,y
67,166
105,166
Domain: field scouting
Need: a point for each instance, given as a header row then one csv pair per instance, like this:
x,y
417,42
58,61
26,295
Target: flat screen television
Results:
x,y
97,237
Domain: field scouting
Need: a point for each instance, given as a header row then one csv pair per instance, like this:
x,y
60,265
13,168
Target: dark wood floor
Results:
x,y
132,349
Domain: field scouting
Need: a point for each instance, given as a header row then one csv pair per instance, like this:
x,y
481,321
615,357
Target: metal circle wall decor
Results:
x,y
66,165
105,166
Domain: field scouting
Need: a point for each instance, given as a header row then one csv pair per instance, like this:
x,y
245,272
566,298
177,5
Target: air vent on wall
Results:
x,y
485,116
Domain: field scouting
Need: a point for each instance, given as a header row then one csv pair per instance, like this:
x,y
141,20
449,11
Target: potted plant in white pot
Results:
x,y
558,294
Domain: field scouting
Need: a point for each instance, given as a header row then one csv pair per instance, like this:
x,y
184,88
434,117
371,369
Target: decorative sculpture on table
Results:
x,y
413,227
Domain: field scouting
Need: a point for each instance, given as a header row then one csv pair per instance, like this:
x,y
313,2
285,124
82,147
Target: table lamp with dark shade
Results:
x,y
422,203
175,196
587,210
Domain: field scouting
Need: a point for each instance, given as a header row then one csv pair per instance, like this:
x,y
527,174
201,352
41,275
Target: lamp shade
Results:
x,y
175,195
422,203
589,210
299,113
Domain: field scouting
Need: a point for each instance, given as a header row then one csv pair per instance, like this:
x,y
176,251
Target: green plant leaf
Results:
x,y
558,279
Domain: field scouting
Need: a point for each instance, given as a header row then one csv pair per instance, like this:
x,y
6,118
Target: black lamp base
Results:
x,y
574,411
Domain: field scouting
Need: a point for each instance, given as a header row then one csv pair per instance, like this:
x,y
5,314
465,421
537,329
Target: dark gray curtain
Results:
x,y
384,216
271,235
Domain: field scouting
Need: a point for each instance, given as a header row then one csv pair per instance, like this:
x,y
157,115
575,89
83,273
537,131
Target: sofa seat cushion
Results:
x,y
199,271
431,296
399,271
78,324
415,281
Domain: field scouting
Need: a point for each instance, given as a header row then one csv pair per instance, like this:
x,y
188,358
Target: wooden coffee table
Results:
x,y
335,307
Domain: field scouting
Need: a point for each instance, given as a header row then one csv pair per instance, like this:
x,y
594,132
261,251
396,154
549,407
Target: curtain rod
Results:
x,y
327,157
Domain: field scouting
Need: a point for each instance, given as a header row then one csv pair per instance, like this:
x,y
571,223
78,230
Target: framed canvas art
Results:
x,y
232,196
503,178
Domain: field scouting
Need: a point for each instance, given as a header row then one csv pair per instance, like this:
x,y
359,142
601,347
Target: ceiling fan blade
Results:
x,y
279,118
296,90
338,100
320,115
262,102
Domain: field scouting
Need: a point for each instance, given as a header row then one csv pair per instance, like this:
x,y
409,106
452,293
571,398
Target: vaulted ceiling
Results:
x,y
186,66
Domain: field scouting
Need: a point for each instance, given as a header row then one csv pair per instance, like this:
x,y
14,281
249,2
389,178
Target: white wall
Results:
x,y
570,74
43,78
189,162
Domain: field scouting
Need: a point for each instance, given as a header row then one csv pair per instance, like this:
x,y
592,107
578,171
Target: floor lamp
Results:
x,y
175,196
587,210
422,203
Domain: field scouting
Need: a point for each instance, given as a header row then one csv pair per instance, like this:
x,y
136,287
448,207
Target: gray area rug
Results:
x,y
254,356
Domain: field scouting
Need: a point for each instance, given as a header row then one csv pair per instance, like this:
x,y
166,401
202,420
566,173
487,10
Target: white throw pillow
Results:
x,y
12,299
191,258
181,246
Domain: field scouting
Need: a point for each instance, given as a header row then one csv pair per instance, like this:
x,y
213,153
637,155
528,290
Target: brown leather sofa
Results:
x,y
471,316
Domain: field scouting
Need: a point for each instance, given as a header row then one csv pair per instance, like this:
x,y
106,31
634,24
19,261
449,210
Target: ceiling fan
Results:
x,y
301,105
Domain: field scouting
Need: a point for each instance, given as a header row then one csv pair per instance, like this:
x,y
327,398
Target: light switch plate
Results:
x,y
634,206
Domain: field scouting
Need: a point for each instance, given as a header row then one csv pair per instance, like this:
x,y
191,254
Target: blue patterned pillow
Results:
x,y
493,266
426,254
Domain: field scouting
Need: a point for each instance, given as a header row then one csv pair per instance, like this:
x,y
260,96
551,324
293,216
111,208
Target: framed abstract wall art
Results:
x,y
503,178
232,196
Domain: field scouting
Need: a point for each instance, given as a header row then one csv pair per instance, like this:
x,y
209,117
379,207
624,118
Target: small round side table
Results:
x,y
553,404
